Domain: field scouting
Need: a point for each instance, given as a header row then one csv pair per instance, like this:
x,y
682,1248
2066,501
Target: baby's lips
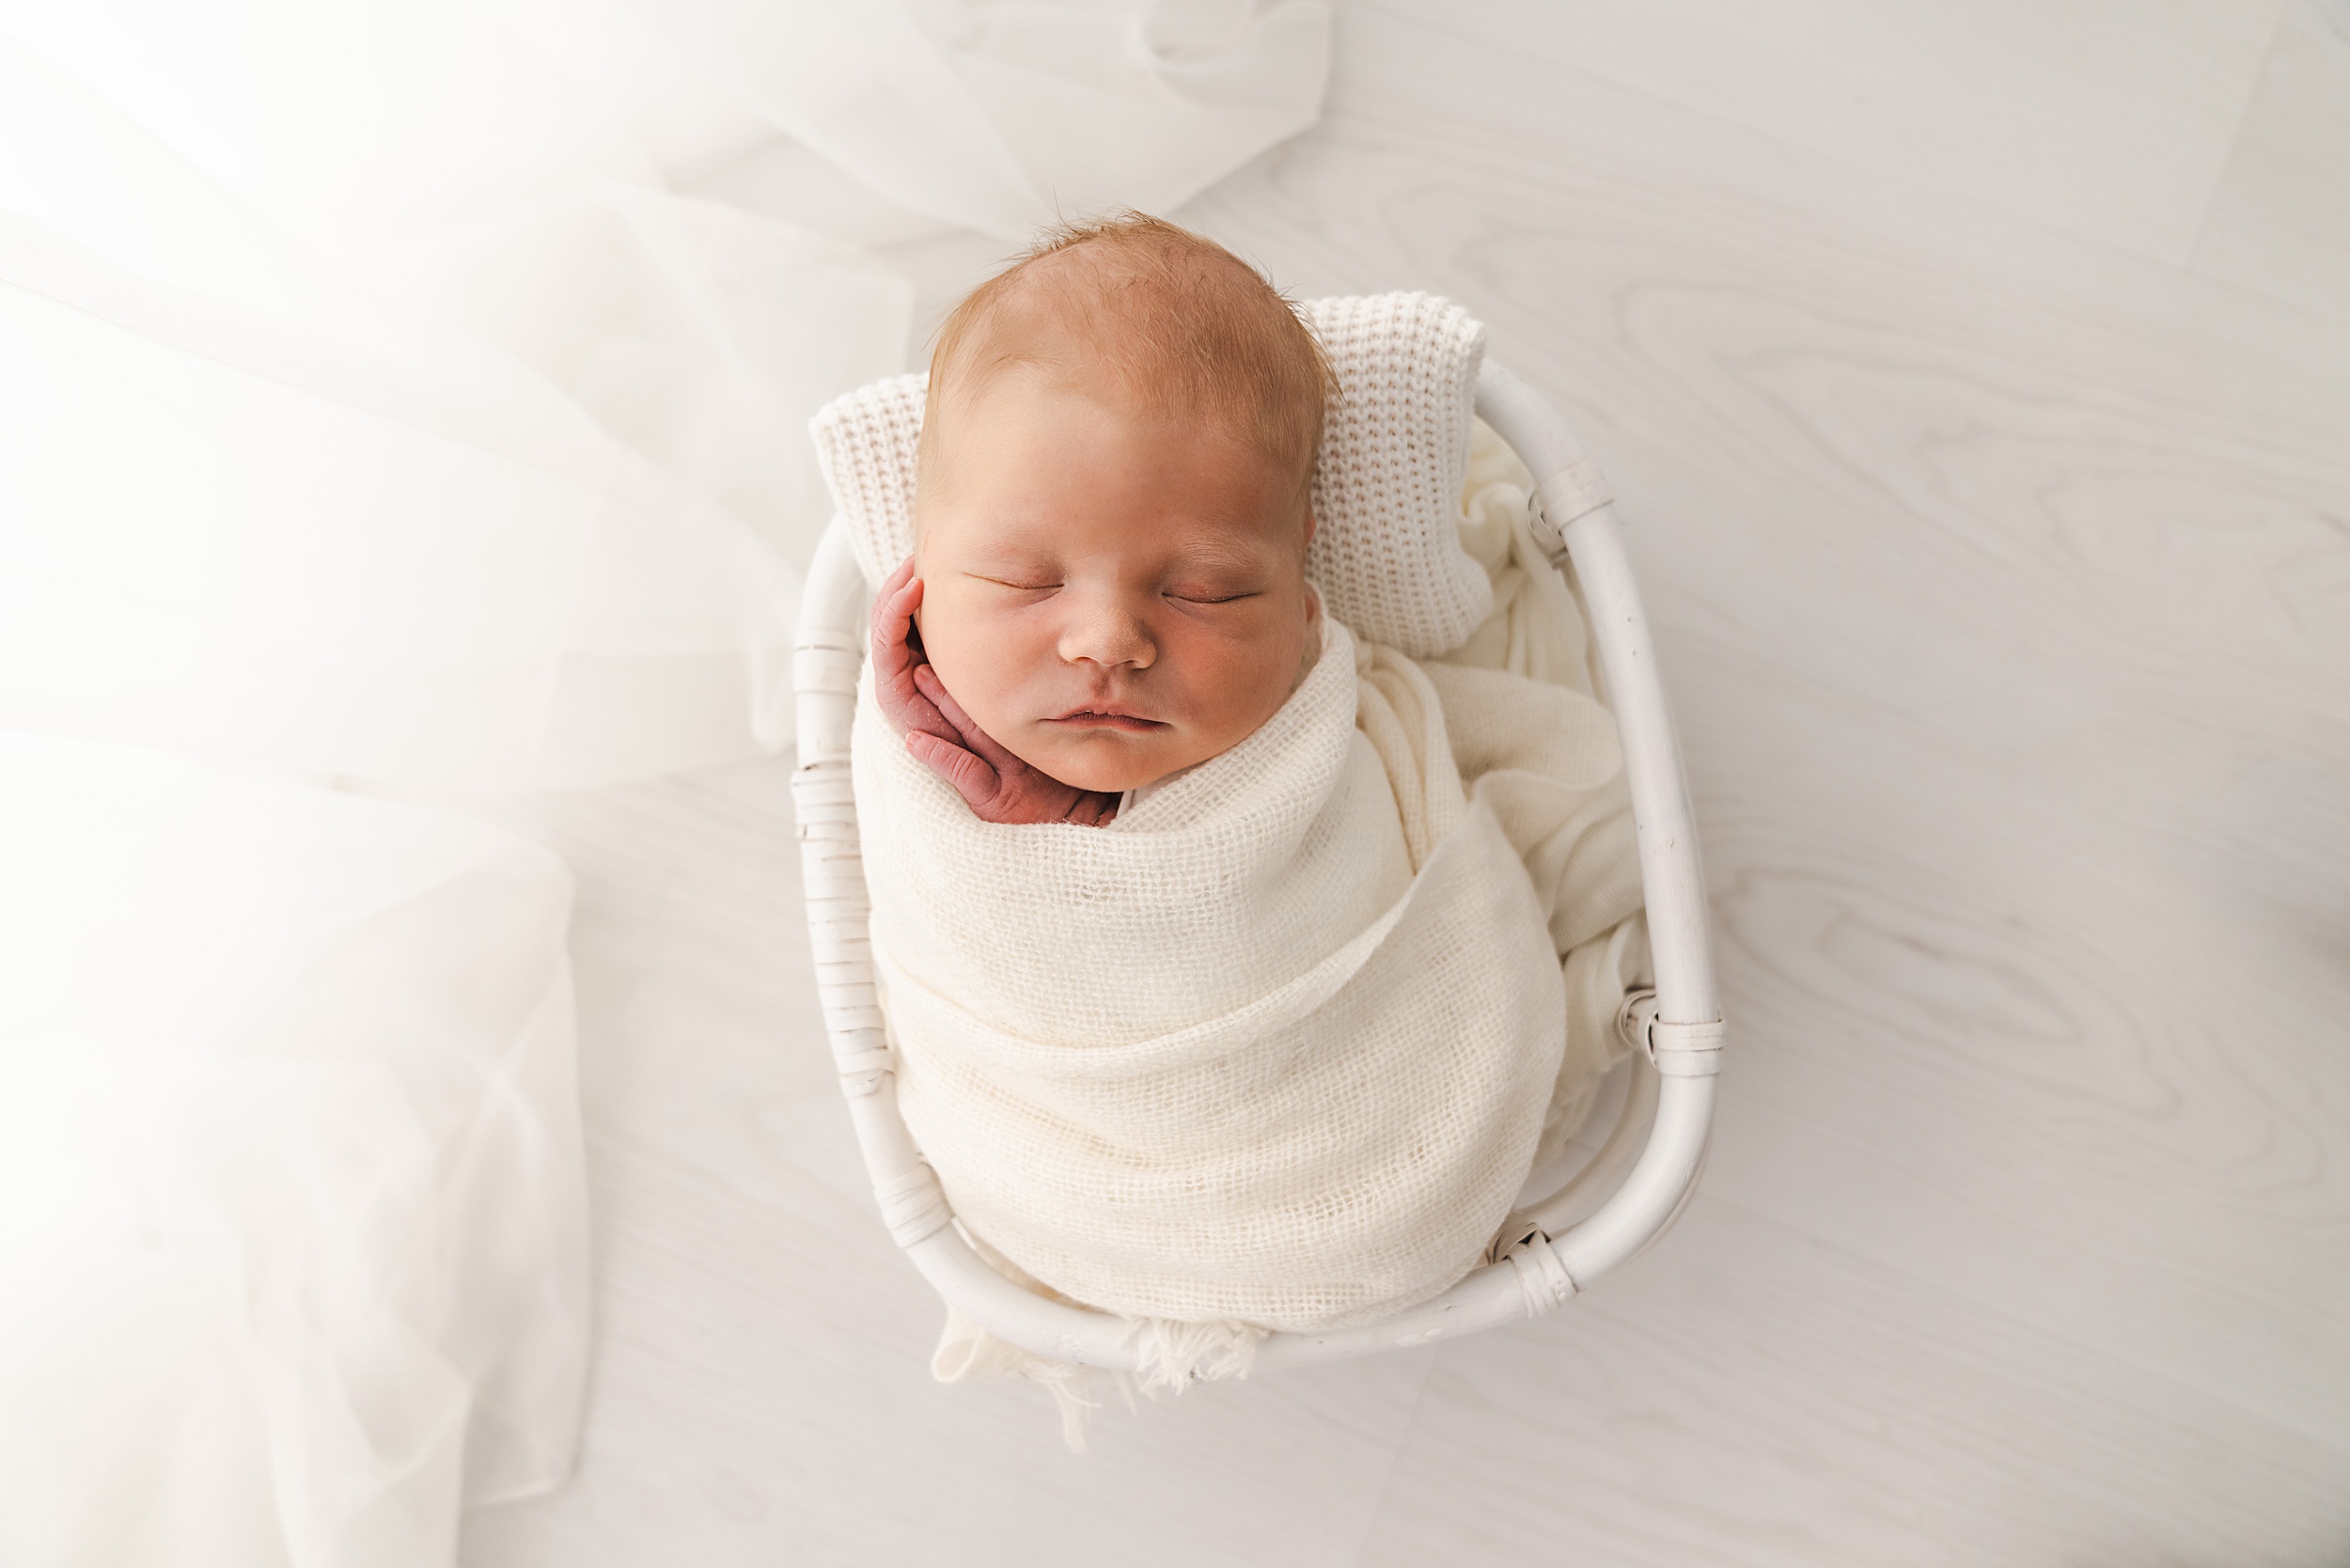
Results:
x,y
1110,716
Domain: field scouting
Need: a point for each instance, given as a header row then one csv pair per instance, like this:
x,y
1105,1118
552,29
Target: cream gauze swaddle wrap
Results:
x,y
1265,1047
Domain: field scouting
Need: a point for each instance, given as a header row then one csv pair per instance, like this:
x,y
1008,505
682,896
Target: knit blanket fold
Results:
x,y
1276,1045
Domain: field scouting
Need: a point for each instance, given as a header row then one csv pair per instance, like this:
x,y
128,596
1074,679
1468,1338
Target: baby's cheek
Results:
x,y
977,664
1257,680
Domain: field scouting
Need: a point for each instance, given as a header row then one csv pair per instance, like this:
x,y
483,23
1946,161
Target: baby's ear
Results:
x,y
1308,541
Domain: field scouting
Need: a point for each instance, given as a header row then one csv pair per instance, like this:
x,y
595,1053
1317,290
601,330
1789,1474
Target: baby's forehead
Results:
x,y
1091,383
1201,539
1151,495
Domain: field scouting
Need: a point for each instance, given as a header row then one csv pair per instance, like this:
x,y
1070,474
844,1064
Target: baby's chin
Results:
x,y
1110,762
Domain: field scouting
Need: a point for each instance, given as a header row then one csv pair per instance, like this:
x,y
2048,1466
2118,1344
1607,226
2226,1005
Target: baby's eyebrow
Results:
x,y
1217,555
1009,554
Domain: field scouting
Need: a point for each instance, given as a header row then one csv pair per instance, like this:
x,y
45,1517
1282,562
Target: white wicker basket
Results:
x,y
1627,1193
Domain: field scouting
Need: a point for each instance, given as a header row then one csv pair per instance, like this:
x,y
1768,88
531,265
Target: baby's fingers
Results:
x,y
893,612
895,658
1092,808
973,779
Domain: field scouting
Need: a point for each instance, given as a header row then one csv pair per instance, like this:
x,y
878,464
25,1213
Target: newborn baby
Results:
x,y
1220,950
1111,520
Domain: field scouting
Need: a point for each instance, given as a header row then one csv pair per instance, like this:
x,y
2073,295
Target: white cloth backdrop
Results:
x,y
411,393
292,1238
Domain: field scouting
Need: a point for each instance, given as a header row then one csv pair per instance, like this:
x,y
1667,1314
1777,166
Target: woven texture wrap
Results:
x,y
1386,553
1266,1048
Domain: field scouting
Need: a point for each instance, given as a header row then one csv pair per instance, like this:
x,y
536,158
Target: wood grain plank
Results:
x,y
1742,1395
2104,119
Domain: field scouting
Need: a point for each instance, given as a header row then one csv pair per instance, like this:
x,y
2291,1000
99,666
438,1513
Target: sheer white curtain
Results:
x,y
412,392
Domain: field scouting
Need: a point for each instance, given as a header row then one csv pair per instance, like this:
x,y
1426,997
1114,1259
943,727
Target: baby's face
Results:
x,y
1111,594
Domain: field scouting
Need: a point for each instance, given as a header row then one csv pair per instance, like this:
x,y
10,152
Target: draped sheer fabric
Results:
x,y
291,1203
409,396
414,391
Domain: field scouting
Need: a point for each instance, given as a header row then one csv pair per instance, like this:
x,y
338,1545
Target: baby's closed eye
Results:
x,y
1020,582
1212,592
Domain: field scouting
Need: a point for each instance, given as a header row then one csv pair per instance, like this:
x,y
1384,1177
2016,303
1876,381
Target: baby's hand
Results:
x,y
896,658
997,786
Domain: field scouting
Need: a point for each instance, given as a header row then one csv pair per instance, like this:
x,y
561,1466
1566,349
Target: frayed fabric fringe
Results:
x,y
1170,1357
1173,1355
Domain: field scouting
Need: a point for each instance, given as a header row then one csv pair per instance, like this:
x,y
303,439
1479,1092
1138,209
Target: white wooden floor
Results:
x,y
1977,379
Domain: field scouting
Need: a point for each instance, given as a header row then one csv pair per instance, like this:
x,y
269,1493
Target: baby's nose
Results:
x,y
1104,632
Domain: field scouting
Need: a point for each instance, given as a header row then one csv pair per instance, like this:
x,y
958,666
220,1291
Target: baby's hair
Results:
x,y
1180,322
